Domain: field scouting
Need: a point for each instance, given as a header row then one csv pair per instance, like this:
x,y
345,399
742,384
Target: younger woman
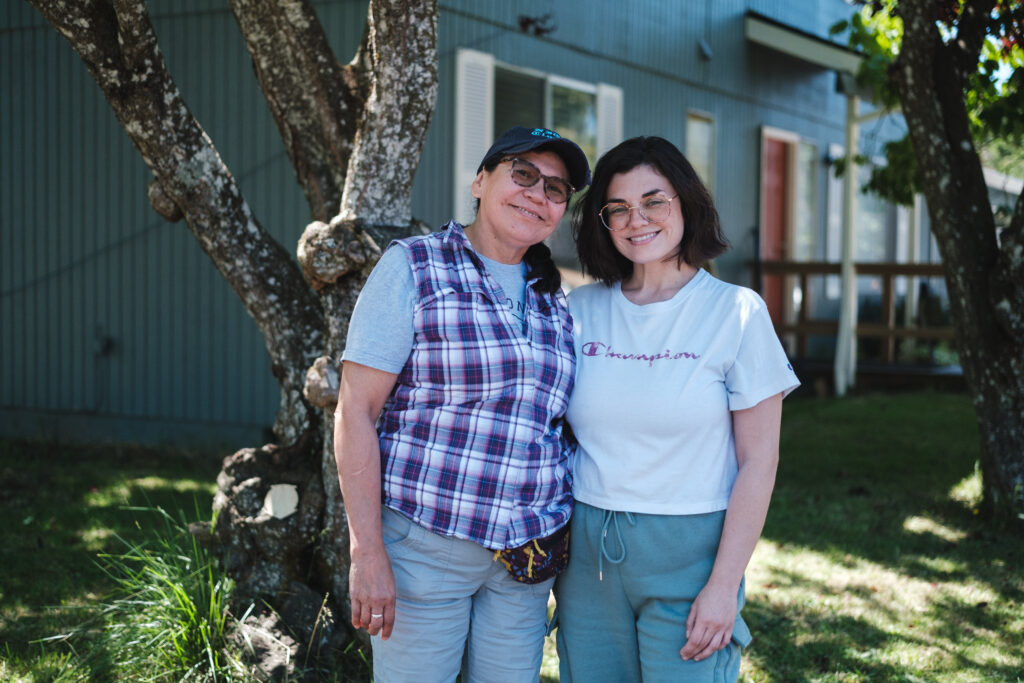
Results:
x,y
677,407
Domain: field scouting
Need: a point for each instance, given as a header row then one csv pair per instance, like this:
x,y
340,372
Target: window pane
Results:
x,y
806,202
874,224
574,115
518,100
700,147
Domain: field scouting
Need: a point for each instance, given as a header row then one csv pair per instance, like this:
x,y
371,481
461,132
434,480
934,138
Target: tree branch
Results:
x,y
315,101
927,82
403,61
119,47
931,94
975,18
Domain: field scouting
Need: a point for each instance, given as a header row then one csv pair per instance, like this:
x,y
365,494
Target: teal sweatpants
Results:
x,y
624,599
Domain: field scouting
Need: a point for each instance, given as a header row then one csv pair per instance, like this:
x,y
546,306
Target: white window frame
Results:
x,y
474,116
551,81
713,160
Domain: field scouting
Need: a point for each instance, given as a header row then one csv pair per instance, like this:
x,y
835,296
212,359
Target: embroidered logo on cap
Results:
x,y
545,133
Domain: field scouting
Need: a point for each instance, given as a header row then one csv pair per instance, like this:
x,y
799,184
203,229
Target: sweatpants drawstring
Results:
x,y
611,519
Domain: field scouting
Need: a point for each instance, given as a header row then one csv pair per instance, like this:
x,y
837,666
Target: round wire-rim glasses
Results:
x,y
654,209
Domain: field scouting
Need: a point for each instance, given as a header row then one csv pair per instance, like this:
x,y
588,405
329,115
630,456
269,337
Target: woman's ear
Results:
x,y
477,187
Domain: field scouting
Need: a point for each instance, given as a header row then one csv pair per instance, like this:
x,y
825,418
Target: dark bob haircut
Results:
x,y
702,233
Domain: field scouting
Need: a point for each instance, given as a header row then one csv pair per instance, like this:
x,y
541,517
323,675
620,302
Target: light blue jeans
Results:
x,y
457,608
625,597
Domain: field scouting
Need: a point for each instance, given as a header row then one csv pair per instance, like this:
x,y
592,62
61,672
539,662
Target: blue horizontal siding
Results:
x,y
110,316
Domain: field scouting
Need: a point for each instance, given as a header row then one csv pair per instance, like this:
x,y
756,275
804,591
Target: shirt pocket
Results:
x,y
467,353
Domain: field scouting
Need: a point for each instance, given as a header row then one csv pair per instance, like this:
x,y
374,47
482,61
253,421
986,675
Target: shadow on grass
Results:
x,y
853,471
870,488
65,504
813,647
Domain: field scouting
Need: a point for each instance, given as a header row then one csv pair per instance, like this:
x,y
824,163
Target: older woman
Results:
x,y
677,407
456,376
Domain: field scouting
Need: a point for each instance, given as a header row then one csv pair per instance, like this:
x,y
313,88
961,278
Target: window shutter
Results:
x,y
609,117
474,123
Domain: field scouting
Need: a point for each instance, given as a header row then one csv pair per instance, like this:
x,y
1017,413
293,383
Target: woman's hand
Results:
x,y
371,582
713,613
709,626
371,586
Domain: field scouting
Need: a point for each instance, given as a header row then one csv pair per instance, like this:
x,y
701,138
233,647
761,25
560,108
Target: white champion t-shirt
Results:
x,y
655,385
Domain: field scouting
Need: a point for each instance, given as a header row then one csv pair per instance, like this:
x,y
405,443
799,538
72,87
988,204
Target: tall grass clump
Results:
x,y
168,616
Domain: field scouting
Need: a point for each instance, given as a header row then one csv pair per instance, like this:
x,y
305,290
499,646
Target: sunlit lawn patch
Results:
x,y
874,565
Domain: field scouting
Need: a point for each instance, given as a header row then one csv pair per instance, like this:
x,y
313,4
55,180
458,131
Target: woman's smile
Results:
x,y
527,212
644,237
643,242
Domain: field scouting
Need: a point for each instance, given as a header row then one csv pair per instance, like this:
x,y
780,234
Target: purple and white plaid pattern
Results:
x,y
471,437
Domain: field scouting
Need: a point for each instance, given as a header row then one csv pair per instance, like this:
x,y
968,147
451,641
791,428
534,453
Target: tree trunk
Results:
x,y
375,209
984,271
354,135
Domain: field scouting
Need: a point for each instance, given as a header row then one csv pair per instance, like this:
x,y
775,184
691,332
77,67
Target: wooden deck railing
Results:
x,y
887,330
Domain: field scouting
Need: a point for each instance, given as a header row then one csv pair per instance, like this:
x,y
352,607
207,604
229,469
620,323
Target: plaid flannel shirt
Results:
x,y
471,437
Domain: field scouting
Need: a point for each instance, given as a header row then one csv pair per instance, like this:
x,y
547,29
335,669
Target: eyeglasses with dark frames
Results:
x,y
525,174
654,209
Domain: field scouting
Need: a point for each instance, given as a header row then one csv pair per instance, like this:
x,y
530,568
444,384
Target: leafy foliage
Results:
x,y
877,35
993,89
898,180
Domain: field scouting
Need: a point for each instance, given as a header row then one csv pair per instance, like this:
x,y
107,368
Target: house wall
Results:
x,y
114,324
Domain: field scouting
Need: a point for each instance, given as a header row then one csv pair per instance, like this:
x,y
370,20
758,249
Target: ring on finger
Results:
x,y
376,616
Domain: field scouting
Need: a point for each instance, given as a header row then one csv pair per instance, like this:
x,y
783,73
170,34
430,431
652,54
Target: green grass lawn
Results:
x,y
874,565
62,506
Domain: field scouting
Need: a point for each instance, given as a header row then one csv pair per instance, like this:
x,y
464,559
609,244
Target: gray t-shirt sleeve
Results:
x,y
380,331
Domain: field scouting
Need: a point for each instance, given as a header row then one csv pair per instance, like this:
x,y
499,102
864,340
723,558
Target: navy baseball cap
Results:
x,y
522,139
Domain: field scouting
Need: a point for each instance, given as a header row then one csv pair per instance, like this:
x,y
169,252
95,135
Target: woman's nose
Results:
x,y
636,219
536,191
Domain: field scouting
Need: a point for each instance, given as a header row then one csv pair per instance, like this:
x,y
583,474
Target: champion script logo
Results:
x,y
594,348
